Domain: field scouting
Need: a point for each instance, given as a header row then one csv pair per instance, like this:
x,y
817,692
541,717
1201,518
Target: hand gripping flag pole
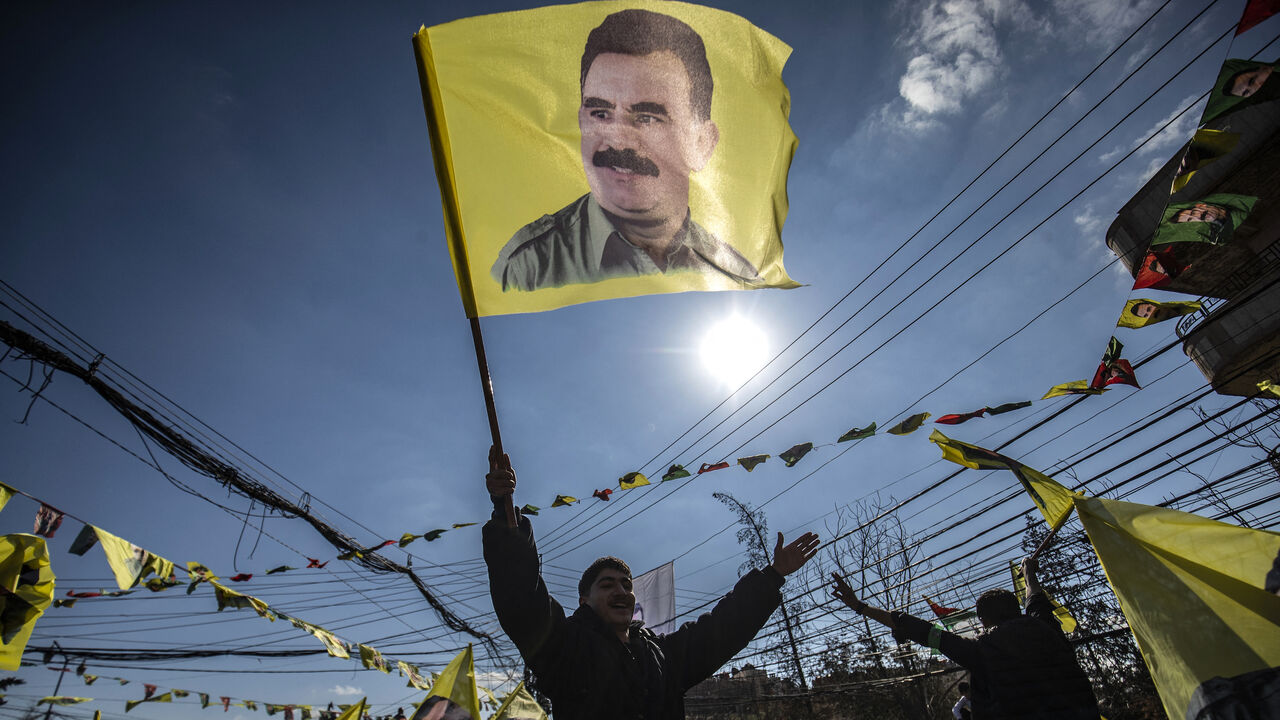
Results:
x,y
486,384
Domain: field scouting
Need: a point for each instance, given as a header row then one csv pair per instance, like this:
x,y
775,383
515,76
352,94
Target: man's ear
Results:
x,y
704,144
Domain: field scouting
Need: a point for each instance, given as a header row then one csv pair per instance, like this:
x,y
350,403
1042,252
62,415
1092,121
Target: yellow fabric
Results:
x,y
970,456
1064,618
1268,386
632,480
1164,311
1192,591
230,598
457,683
6,493
331,642
373,659
910,425
24,599
502,100
165,698
130,563
1208,145
355,712
1075,387
62,700
520,705
1051,499
416,680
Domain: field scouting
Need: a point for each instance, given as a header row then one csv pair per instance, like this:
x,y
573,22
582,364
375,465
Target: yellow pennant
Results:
x,y
455,687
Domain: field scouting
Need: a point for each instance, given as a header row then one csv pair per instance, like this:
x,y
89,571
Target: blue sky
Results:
x,y
238,206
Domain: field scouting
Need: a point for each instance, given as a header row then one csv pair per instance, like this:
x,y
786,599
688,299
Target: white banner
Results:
x,y
656,598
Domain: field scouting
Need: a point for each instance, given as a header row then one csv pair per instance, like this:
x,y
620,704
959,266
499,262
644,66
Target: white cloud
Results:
x,y
954,55
1101,22
342,690
1165,141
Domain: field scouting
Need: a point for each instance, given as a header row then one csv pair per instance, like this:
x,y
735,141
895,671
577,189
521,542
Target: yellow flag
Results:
x,y
456,688
1141,312
1268,386
605,150
27,583
6,493
520,705
1050,498
228,598
355,712
1053,500
1192,591
371,658
1064,618
414,674
632,480
165,698
130,563
62,700
1075,387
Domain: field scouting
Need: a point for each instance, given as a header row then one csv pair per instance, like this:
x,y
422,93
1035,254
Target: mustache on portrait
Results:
x,y
627,159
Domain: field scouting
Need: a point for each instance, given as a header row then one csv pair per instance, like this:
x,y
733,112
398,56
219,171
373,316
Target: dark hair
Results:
x,y
592,572
1133,309
996,606
640,32
964,686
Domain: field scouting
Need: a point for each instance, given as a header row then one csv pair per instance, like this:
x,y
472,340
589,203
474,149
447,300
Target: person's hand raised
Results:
x,y
501,479
788,559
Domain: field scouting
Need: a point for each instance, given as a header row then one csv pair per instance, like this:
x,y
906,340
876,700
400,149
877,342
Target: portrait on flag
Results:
x,y
1240,83
598,151
1212,220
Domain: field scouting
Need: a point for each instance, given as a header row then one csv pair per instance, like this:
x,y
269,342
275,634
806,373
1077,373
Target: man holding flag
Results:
x,y
597,663
1022,667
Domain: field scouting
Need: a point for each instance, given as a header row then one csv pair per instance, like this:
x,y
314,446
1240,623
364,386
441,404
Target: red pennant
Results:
x,y
226,703
72,593
150,690
1255,12
957,419
941,611
603,494
1119,372
707,467
241,577
314,563
1158,270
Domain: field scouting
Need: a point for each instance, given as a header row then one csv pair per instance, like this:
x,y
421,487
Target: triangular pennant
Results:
x,y
956,419
675,473
910,425
858,433
1075,387
563,500
750,463
1008,407
632,480
710,467
455,687
792,455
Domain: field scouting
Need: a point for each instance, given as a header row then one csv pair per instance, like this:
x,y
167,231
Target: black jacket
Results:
x,y
1024,668
579,661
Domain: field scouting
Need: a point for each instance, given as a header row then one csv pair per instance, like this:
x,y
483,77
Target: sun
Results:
x,y
733,350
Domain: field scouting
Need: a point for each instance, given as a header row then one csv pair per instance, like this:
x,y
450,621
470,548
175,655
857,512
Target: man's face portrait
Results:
x,y
439,708
611,597
1249,82
641,138
1201,212
1144,310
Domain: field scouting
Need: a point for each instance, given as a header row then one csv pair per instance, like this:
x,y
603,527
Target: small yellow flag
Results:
x,y
1064,618
130,563
456,687
632,480
1075,387
520,705
355,712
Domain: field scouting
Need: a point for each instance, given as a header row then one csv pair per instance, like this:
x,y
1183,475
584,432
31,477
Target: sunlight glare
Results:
x,y
733,350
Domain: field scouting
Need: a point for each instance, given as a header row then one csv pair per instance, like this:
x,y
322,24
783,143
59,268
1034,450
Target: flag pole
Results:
x,y
1047,539
486,384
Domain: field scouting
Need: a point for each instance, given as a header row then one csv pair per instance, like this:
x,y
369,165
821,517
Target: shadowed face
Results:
x,y
1144,310
640,137
611,598
1248,83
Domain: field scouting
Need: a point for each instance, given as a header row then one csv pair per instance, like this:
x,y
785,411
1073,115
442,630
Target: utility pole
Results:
x,y
57,686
